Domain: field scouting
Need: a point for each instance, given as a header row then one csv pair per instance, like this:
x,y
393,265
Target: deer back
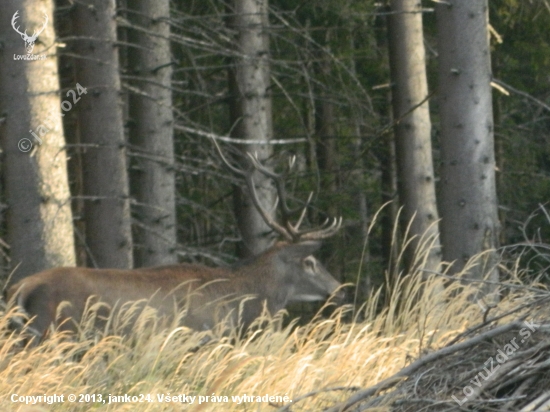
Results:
x,y
286,272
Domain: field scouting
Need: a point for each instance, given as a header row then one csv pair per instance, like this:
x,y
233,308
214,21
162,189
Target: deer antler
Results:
x,y
35,34
288,230
25,35
13,21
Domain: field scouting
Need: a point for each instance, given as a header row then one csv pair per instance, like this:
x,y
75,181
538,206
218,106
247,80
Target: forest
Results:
x,y
411,136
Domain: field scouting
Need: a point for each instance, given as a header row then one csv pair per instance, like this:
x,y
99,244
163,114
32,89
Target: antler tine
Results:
x,y
328,229
14,22
289,231
291,162
286,211
234,169
43,26
254,195
279,184
270,222
304,210
324,233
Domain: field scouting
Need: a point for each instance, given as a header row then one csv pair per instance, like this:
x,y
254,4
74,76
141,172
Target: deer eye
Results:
x,y
309,263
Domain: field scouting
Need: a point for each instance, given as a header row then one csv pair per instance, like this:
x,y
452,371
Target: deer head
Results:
x,y
237,294
29,40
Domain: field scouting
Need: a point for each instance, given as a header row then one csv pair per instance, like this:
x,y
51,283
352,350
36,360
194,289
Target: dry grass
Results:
x,y
325,360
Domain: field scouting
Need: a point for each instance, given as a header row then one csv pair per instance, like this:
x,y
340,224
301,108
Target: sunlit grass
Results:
x,y
328,353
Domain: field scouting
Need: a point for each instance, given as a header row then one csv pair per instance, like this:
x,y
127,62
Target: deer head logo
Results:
x,y
29,40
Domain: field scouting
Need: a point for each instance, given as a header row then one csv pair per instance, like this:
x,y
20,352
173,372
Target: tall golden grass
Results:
x,y
315,365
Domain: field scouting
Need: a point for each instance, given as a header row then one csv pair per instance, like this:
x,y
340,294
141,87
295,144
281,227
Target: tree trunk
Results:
x,y
39,220
468,196
107,208
250,112
391,235
326,151
327,156
151,131
413,132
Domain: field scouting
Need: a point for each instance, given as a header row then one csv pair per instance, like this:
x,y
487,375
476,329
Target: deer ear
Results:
x,y
300,250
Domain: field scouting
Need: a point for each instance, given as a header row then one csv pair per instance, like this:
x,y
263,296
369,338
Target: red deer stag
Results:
x,y
285,272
